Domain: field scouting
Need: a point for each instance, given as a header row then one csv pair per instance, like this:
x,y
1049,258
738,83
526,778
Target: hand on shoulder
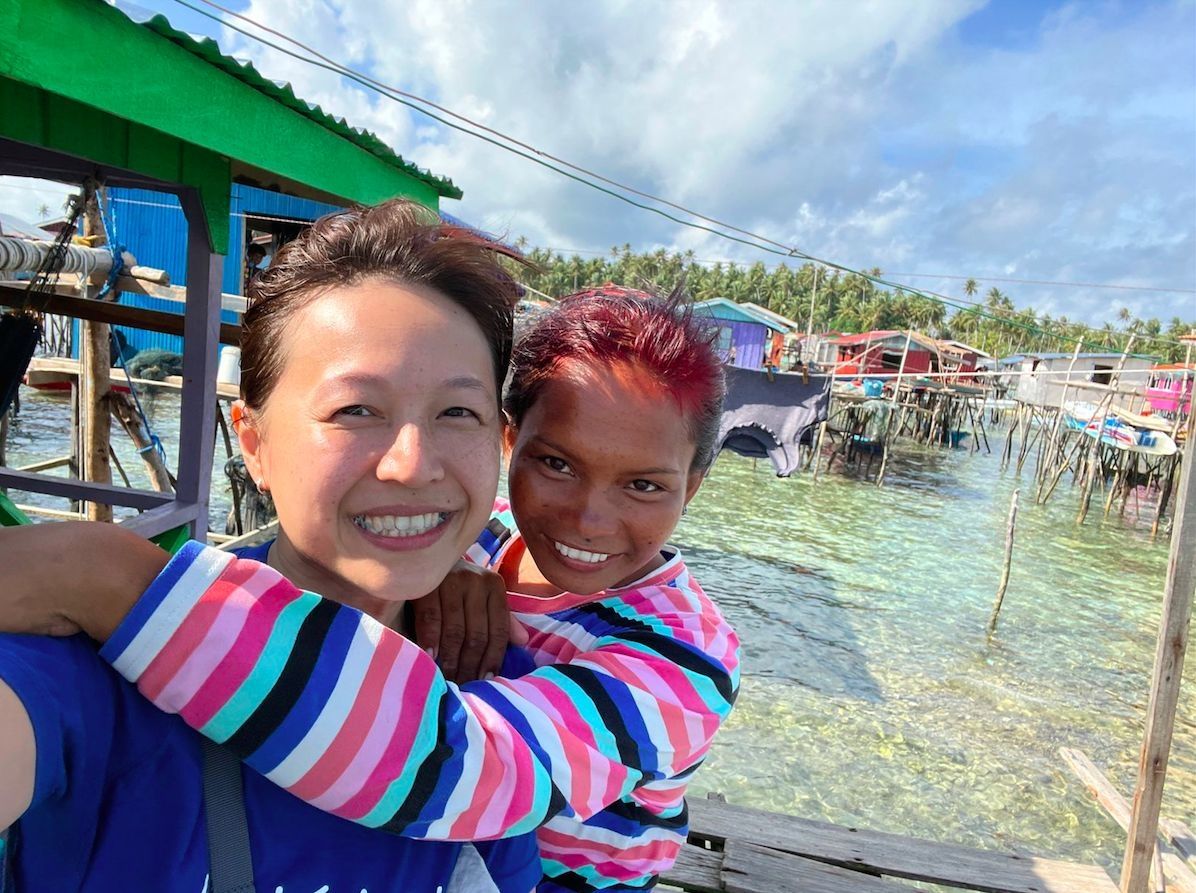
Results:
x,y
63,578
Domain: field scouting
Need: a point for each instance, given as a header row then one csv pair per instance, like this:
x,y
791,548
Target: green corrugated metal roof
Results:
x,y
208,50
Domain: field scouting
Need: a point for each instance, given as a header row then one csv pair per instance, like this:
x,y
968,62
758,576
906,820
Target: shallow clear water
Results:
x,y
871,695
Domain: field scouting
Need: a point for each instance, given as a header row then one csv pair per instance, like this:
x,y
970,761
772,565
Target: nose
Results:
x,y
596,516
412,459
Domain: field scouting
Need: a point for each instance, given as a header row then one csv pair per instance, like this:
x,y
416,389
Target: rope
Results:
x,y
108,221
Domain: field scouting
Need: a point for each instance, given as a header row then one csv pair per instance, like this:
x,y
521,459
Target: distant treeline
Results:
x,y
846,302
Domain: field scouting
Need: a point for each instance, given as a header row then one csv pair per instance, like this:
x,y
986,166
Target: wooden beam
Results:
x,y
81,490
1165,680
46,464
895,855
113,314
163,518
696,870
756,869
201,338
1166,864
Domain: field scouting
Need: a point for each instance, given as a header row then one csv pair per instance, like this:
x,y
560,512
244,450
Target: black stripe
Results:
x,y
428,775
293,679
578,884
687,657
612,718
501,532
631,811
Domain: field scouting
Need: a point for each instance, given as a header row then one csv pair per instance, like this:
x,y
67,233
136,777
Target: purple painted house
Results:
x,y
745,331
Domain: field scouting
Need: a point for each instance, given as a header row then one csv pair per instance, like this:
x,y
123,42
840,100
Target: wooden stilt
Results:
x,y
95,361
126,413
1165,681
1004,583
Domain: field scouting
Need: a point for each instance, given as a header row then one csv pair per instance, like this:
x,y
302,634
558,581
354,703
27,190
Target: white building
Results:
x,y
1040,378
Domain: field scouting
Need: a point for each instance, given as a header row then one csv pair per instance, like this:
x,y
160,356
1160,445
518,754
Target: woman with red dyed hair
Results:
x,y
613,408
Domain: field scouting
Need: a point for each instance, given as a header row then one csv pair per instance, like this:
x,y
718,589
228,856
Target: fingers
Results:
x,y
498,617
453,595
465,624
426,615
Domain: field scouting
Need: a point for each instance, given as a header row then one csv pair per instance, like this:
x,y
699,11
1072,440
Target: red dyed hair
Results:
x,y
610,325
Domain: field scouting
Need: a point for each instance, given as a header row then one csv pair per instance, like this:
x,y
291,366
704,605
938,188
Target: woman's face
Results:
x,y
599,475
379,443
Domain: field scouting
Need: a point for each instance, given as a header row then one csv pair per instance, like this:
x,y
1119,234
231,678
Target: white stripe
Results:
x,y
579,832
466,785
542,718
203,571
333,714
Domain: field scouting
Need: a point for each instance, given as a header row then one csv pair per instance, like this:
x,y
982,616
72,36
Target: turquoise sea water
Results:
x,y
871,694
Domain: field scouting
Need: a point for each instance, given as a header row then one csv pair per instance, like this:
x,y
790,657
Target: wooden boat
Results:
x,y
58,375
55,374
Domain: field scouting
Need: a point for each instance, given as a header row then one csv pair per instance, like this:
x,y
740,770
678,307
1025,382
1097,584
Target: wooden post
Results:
x,y
201,343
818,449
992,620
1100,417
810,322
94,362
126,413
1165,681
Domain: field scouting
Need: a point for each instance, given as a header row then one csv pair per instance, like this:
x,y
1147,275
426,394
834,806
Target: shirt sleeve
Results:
x,y
358,721
45,674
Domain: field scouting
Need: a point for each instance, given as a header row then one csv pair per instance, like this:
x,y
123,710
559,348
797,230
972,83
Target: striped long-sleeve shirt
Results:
x,y
358,721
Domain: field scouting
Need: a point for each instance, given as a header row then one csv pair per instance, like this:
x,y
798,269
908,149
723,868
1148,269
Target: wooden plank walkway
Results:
x,y
734,849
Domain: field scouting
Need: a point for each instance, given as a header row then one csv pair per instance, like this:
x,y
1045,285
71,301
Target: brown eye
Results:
x,y
643,486
557,464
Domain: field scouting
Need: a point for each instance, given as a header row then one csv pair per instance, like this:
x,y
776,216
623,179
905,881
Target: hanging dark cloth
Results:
x,y
19,336
768,418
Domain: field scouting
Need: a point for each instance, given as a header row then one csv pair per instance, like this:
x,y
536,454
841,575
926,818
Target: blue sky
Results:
x,y
1007,140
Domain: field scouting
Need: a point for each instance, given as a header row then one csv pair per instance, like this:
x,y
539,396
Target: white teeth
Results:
x,y
399,525
579,555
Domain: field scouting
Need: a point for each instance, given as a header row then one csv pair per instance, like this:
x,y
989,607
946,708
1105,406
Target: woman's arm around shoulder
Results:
x,y
359,722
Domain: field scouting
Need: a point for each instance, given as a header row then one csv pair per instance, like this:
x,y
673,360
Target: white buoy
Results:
x,y
229,371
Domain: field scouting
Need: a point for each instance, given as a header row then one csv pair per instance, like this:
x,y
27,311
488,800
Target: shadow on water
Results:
x,y
793,625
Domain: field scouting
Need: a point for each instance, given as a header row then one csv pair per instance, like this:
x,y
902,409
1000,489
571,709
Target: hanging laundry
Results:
x,y
765,418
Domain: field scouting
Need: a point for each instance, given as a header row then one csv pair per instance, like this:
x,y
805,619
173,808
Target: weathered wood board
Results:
x,y
895,855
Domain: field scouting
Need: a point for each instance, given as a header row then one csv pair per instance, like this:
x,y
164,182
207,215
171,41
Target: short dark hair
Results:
x,y
610,325
397,240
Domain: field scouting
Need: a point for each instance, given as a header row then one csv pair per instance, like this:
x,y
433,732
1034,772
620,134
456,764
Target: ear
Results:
x,y
248,430
510,433
692,483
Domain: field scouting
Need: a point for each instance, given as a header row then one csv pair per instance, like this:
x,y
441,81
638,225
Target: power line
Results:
x,y
416,103
410,100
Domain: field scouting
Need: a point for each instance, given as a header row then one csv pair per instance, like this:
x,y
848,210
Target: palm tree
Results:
x,y
971,287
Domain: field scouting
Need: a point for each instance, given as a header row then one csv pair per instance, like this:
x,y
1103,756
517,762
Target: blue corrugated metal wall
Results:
x,y
151,225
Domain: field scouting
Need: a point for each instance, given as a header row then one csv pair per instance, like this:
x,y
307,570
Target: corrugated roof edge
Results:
x,y
208,50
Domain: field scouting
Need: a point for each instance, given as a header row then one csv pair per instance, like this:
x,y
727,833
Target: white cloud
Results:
x,y
872,133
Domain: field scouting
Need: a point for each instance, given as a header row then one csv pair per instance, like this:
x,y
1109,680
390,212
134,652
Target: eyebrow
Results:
x,y
469,382
560,449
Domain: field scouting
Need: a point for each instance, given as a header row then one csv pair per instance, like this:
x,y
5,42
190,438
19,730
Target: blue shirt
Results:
x,y
118,801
